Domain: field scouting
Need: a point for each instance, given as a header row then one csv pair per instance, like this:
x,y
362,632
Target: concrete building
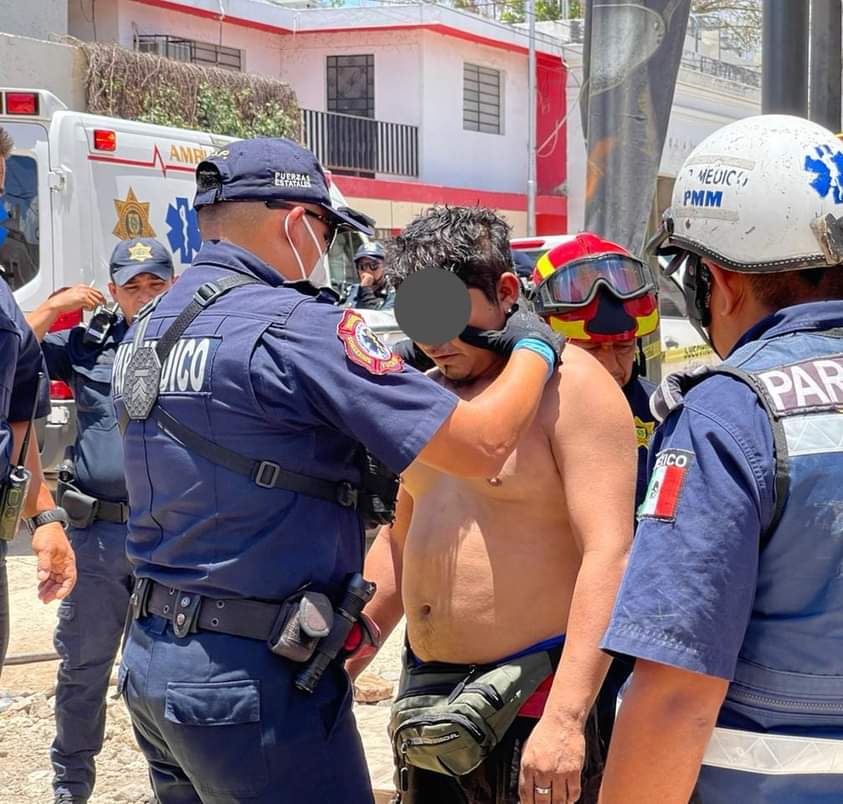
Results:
x,y
407,105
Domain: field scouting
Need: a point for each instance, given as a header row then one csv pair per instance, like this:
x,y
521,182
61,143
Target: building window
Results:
x,y
481,92
179,49
351,85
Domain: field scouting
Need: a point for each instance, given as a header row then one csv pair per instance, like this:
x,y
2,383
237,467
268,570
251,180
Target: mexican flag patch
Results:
x,y
666,484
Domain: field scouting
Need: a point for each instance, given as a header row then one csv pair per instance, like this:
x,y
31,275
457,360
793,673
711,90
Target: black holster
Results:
x,y
81,508
378,491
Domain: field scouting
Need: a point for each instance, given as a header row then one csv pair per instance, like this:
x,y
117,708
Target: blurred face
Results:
x,y
457,360
137,292
617,358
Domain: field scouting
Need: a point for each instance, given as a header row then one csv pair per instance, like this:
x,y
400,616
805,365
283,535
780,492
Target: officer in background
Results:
x,y
24,395
244,479
93,492
732,601
373,291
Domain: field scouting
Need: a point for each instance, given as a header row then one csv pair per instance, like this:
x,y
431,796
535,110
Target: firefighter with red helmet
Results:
x,y
601,298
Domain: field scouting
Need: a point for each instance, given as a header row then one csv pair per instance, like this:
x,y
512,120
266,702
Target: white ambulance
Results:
x,y
78,183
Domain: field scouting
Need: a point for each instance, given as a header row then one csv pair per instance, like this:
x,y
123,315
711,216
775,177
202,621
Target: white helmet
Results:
x,y
761,195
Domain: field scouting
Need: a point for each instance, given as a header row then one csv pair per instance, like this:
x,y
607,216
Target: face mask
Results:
x,y
318,275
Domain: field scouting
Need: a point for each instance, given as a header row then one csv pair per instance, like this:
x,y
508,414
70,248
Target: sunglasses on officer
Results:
x,y
369,265
331,224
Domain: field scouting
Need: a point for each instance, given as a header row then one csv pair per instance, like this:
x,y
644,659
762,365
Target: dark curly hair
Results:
x,y
471,241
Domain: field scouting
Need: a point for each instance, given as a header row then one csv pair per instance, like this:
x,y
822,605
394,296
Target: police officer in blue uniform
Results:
x,y
732,601
246,396
24,395
372,291
93,492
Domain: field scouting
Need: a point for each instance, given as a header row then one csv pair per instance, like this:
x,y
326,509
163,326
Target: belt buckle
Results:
x,y
186,613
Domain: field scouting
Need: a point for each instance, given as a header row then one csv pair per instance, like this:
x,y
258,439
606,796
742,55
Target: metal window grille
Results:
x,y
351,85
179,49
481,88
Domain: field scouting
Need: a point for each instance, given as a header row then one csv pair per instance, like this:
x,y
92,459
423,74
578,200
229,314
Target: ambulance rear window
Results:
x,y
19,253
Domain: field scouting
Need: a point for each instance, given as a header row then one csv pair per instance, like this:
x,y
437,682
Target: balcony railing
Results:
x,y
361,145
722,69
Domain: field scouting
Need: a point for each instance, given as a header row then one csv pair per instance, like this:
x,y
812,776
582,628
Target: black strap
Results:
x,y
204,296
24,447
266,474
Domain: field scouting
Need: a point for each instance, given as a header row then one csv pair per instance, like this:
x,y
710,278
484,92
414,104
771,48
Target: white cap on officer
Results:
x,y
762,195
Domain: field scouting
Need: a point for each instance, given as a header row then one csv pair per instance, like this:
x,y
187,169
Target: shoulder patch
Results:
x,y
666,484
364,348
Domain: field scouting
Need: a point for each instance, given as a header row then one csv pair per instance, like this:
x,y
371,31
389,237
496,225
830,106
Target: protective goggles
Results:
x,y
576,284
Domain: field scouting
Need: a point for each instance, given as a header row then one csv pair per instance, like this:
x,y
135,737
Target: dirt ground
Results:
x,y
27,726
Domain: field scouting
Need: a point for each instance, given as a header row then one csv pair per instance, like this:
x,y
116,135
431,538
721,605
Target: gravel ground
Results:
x,y
27,726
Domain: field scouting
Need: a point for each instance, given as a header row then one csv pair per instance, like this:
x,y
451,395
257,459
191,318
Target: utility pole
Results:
x,y
825,63
531,118
784,57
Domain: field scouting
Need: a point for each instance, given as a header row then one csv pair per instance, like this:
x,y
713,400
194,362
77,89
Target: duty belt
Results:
x,y
112,511
190,612
94,508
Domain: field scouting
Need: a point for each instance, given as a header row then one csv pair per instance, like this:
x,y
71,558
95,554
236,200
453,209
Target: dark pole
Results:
x,y
825,63
784,57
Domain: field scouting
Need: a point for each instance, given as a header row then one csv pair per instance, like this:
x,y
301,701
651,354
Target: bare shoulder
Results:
x,y
583,392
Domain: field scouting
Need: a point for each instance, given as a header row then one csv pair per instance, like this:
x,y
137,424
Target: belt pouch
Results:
x,y
81,509
449,718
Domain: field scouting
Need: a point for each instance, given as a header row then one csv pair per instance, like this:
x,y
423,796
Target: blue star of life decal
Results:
x,y
827,167
184,234
4,232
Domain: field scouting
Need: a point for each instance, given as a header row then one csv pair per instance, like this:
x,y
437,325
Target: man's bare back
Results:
x,y
489,565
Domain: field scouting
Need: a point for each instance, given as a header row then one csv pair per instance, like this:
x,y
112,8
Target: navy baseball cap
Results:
x,y
271,169
140,255
372,251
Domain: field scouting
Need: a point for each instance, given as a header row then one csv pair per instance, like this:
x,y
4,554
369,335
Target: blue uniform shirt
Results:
x,y
98,452
30,363
265,371
20,363
9,344
687,595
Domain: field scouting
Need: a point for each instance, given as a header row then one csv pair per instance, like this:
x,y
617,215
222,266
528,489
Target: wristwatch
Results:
x,y
45,517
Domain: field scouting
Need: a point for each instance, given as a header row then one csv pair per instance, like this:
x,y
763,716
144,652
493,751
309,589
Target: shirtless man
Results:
x,y
527,560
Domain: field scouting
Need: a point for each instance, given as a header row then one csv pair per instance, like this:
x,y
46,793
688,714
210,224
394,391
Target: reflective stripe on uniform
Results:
x,y
773,754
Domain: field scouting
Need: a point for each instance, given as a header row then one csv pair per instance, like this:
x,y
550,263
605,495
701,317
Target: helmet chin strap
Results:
x,y
696,284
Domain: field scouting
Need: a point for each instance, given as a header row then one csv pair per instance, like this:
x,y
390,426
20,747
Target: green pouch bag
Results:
x,y
448,719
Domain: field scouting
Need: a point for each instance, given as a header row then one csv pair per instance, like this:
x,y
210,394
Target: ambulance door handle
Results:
x,y
57,179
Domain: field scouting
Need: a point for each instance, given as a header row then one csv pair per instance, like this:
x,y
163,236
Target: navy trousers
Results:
x,y
90,626
220,721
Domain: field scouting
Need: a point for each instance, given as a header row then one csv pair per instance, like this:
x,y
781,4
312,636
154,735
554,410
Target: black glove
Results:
x,y
412,355
520,325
